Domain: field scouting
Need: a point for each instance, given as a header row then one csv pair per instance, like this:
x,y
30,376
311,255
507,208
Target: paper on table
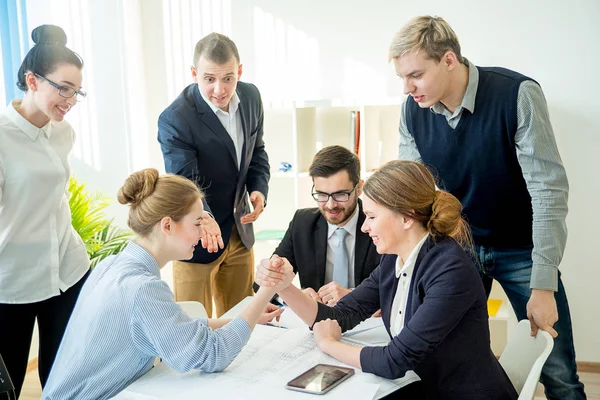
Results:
x,y
271,358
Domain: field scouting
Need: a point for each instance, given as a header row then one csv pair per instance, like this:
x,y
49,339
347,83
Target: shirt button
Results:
x,y
234,209
399,312
404,274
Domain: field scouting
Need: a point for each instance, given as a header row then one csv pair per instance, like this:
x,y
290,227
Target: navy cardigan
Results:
x,y
445,339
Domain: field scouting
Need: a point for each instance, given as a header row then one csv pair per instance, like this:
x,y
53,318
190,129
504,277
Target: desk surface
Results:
x,y
272,357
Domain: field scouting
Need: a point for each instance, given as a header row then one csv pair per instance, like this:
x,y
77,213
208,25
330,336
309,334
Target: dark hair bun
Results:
x,y
138,186
46,34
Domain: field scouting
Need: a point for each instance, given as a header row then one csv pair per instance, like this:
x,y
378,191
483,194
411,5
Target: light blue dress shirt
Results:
x,y
124,318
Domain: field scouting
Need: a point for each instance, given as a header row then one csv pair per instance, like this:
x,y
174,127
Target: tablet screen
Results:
x,y
320,378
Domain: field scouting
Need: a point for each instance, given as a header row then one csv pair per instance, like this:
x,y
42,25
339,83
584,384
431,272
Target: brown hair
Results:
x,y
216,48
433,35
152,197
332,159
408,188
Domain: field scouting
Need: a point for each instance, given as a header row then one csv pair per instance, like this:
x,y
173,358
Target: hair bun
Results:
x,y
445,214
49,34
138,186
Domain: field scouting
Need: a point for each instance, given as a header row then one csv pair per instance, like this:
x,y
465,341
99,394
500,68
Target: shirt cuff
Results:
x,y
544,277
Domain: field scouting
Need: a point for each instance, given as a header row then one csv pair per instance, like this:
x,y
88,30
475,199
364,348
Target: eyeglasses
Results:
x,y
65,91
340,197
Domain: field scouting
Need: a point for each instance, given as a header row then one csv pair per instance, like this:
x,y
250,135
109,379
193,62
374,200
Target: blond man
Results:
x,y
486,133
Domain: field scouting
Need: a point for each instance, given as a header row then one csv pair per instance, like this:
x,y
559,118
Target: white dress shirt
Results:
x,y
332,246
40,252
404,275
231,121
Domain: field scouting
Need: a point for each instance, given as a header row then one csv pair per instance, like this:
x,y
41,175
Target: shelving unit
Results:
x,y
295,134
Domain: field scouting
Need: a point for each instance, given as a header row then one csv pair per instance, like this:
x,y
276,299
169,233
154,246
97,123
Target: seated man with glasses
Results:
x,y
324,244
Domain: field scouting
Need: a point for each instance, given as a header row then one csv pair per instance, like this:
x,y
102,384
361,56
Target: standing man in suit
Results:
x,y
213,134
486,132
311,243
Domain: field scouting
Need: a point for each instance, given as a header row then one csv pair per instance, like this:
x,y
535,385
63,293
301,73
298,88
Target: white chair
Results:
x,y
524,357
193,308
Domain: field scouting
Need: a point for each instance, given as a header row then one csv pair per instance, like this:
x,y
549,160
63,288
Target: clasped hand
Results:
x,y
328,294
276,273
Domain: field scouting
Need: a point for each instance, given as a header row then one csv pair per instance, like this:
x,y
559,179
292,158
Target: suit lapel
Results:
x,y
361,247
321,249
212,122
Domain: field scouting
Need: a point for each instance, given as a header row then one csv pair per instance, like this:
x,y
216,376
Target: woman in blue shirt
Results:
x,y
126,315
431,298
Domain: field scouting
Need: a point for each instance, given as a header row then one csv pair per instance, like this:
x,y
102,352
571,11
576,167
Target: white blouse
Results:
x,y
404,274
40,252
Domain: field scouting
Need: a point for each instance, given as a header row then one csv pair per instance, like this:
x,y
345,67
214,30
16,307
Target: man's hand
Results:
x,y
326,331
310,292
332,293
211,238
275,273
258,203
377,314
542,312
272,311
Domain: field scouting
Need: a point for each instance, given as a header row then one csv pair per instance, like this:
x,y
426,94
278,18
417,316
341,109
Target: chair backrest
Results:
x,y
524,357
193,309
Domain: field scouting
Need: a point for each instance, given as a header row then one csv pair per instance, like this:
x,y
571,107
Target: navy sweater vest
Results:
x,y
477,161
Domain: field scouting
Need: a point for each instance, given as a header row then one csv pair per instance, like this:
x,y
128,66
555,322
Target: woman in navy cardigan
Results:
x,y
431,298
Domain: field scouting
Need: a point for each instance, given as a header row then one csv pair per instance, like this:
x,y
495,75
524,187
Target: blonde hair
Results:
x,y
408,188
433,35
152,197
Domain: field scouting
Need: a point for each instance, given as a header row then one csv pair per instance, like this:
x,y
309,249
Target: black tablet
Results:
x,y
320,379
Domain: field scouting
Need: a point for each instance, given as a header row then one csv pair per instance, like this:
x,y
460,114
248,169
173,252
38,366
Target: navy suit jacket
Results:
x,y
195,145
305,246
445,339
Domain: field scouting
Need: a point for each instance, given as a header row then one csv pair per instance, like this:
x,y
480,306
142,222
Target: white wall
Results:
x,y
337,50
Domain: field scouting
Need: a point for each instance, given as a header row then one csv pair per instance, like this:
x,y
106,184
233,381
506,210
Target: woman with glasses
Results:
x,y
43,261
430,294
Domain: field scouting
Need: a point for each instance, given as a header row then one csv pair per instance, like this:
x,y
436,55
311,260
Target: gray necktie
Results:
x,y
340,262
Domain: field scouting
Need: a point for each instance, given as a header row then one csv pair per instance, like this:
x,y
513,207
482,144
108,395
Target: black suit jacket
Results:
x,y
195,145
305,246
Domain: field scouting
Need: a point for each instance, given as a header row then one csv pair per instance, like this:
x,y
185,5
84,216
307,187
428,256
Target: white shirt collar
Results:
x,y
233,103
409,265
350,226
27,127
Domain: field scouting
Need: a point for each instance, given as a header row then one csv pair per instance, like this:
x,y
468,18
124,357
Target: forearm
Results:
x,y
257,306
302,305
547,184
346,353
216,323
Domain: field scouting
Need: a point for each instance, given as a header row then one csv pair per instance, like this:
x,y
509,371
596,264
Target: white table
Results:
x,y
272,357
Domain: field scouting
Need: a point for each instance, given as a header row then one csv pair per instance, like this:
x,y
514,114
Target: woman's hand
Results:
x,y
326,331
271,311
276,273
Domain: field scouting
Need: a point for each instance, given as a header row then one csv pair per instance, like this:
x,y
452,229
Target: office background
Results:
x,y
137,55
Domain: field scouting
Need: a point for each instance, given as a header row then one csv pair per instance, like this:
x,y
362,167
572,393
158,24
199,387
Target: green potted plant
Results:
x,y
101,237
